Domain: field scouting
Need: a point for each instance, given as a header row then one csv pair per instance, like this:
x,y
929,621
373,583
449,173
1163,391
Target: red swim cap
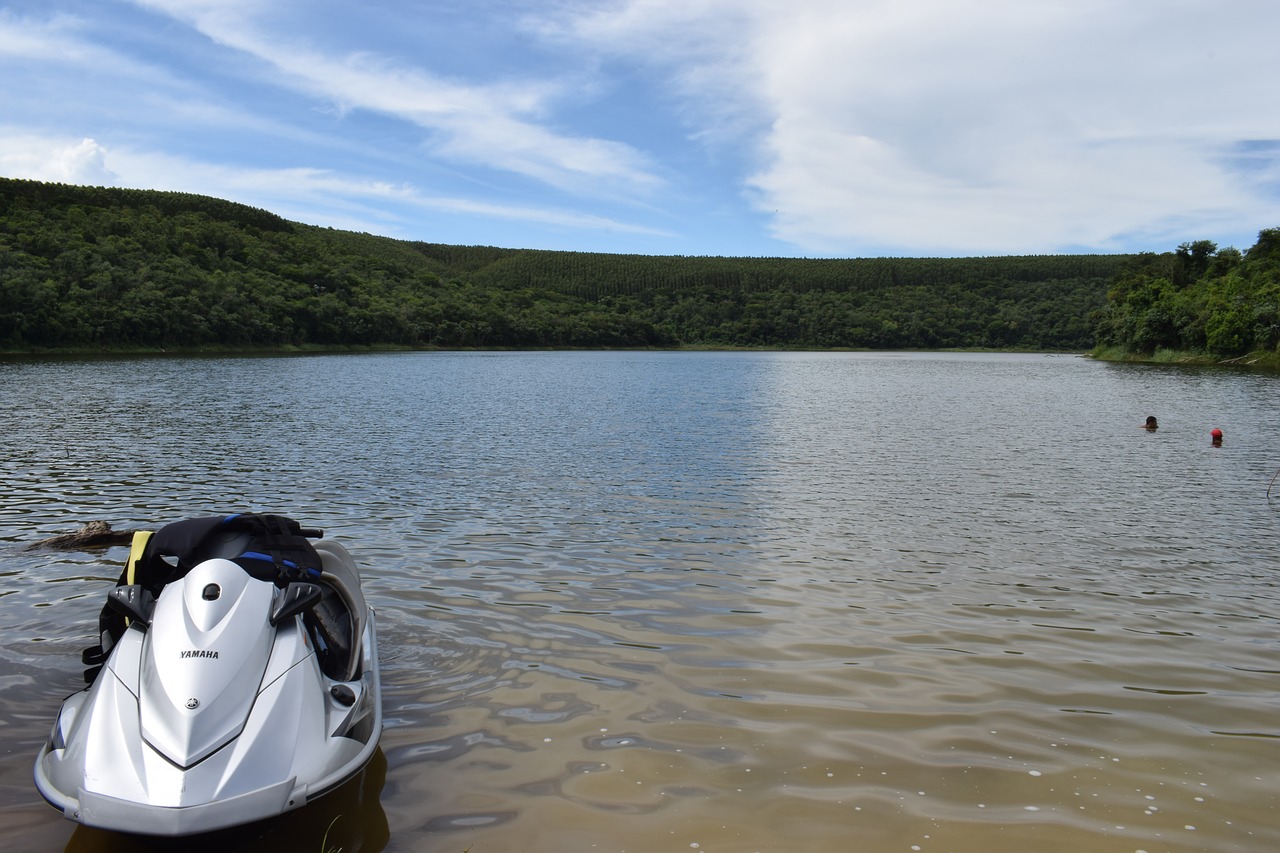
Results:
x,y
1215,432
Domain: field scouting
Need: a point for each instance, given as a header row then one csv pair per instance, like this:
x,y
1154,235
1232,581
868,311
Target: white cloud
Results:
x,y
844,126
959,127
21,38
342,197
57,161
66,41
316,196
493,125
706,50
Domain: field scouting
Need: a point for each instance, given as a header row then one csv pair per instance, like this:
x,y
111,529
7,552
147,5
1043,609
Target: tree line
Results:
x,y
103,268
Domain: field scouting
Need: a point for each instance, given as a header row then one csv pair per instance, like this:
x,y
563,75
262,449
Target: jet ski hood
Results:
x,y
210,633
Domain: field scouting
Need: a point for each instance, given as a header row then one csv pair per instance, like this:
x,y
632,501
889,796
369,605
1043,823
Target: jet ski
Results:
x,y
236,679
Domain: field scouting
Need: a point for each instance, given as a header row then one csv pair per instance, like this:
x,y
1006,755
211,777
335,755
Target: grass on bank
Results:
x,y
1263,359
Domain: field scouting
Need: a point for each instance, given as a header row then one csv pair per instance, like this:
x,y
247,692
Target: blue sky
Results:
x,y
811,128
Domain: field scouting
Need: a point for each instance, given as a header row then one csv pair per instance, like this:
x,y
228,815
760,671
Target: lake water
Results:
x,y
710,601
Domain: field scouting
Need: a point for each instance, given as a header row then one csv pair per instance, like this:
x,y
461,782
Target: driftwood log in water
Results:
x,y
95,534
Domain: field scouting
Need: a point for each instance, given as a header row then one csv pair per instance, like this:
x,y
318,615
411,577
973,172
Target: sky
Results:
x,y
778,128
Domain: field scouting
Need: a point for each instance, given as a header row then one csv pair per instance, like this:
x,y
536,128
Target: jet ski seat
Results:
x,y
269,547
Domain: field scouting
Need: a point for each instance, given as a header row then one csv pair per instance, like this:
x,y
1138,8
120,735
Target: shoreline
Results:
x,y
1257,360
321,349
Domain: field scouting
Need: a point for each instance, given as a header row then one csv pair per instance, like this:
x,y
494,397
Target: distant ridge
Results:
x,y
97,268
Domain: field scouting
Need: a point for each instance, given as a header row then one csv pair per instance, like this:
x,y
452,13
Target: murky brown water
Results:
x,y
711,602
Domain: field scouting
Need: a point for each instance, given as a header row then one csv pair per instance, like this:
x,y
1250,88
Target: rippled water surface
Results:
x,y
711,602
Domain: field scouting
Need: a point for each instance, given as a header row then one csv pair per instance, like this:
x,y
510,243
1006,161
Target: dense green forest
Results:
x,y
103,268
1200,299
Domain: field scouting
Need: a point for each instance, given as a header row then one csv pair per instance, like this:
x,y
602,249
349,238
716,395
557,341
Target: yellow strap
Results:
x,y
140,540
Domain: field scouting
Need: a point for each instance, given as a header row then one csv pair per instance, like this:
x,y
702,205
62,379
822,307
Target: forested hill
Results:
x,y
96,268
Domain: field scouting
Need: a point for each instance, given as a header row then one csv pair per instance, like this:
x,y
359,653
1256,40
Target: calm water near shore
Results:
x,y
710,601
